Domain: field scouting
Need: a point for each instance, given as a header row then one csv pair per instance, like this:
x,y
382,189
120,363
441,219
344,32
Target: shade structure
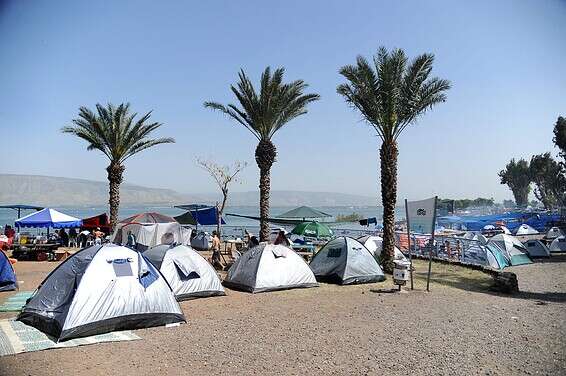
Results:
x,y
313,230
48,218
269,267
98,221
20,207
149,217
305,212
346,261
188,273
100,289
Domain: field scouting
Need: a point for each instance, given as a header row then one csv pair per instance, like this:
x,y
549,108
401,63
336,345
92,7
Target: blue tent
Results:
x,y
8,280
48,218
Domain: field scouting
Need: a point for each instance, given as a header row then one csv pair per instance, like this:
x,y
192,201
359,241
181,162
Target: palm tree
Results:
x,y
113,131
263,114
391,95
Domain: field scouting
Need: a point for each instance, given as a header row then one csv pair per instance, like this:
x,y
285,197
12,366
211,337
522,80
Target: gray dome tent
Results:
x,y
536,248
101,289
188,273
269,267
558,244
346,261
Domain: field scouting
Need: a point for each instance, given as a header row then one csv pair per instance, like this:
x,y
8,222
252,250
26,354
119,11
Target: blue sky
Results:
x,y
505,60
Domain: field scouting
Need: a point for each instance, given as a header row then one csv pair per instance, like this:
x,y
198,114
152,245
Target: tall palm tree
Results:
x,y
113,131
391,95
263,114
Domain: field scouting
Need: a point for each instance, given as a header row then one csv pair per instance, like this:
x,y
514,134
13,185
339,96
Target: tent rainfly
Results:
x,y
8,280
536,248
525,229
554,233
515,252
269,267
48,218
346,261
558,244
188,273
101,289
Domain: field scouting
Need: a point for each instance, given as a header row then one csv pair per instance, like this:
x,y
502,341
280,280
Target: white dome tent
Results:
x,y
188,273
525,229
554,233
374,244
100,289
346,261
269,267
558,245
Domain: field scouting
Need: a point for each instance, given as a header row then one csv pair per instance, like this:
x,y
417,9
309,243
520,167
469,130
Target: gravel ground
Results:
x,y
458,328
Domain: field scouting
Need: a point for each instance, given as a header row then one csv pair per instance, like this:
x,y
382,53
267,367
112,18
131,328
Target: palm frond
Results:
x,y
264,113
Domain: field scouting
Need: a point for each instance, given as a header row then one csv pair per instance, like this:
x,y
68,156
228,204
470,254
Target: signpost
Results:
x,y
421,218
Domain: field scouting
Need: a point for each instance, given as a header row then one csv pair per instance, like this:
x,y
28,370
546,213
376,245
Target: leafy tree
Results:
x,y
391,94
115,132
560,136
263,114
518,178
223,176
549,179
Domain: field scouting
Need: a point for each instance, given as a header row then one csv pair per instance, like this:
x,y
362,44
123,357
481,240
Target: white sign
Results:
x,y
421,215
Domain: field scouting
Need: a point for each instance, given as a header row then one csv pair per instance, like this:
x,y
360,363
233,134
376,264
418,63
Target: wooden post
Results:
x,y
409,242
431,244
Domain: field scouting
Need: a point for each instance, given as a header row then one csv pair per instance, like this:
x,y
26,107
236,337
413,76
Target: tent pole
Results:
x,y
409,243
431,244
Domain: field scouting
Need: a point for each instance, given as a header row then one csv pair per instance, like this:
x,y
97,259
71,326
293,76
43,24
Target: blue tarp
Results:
x,y
539,221
8,280
48,218
206,217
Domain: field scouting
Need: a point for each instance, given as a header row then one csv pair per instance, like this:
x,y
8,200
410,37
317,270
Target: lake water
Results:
x,y
234,226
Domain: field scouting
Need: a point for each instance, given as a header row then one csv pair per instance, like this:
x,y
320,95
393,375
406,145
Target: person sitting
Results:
x,y
282,239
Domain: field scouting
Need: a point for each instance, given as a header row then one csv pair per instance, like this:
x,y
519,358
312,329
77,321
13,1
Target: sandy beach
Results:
x,y
459,327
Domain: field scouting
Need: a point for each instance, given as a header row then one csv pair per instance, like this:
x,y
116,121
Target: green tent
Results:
x,y
313,230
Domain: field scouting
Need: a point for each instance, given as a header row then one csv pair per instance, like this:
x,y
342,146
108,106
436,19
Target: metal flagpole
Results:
x,y
431,244
409,242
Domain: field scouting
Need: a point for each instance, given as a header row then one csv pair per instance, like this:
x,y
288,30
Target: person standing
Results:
x,y
216,262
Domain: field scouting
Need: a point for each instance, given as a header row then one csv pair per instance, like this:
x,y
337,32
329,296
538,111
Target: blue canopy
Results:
x,y
48,218
206,217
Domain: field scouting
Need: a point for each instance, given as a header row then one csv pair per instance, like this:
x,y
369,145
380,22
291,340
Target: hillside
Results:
x,y
58,191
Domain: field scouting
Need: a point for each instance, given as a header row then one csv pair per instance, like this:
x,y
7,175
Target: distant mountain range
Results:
x,y
58,191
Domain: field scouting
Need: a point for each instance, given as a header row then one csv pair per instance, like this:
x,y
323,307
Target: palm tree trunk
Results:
x,y
265,156
388,154
115,176
264,188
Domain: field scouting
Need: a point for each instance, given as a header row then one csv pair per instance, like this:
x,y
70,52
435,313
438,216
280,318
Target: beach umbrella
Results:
x,y
312,230
304,212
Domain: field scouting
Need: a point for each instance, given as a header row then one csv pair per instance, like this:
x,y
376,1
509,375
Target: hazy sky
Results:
x,y
505,59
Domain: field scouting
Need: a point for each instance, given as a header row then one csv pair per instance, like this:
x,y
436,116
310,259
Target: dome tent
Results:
x,y
188,273
346,261
554,233
536,248
100,289
8,279
558,244
374,244
525,229
269,267
515,252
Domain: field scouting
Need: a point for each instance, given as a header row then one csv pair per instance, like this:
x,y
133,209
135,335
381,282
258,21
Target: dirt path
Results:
x,y
458,328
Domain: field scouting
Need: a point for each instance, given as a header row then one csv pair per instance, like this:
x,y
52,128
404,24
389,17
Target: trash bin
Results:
x,y
401,272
